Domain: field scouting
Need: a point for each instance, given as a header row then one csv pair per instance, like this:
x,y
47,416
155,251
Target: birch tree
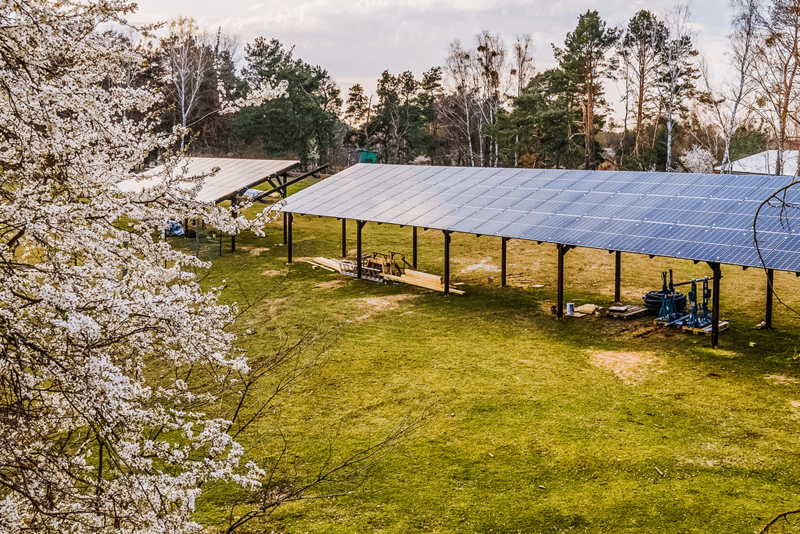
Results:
x,y
743,39
490,52
461,109
677,74
523,65
187,56
523,70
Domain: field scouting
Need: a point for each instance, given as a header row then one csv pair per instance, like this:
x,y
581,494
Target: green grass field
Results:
x,y
530,424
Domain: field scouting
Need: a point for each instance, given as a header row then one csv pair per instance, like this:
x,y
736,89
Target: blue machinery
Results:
x,y
673,303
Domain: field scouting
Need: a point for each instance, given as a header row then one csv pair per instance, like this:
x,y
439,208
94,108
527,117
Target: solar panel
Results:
x,y
233,175
691,216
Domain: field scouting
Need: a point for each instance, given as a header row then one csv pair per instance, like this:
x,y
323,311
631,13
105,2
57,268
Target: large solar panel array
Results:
x,y
233,175
704,217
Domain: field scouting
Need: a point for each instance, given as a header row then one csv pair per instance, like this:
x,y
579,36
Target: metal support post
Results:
x,y
344,237
715,305
617,276
359,226
770,279
560,304
233,236
414,247
285,230
289,220
503,247
446,262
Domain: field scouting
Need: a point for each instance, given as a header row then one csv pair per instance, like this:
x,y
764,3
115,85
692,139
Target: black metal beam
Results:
x,y
290,219
715,305
233,236
344,237
617,276
283,186
285,237
503,247
770,291
446,262
239,192
414,247
359,226
560,286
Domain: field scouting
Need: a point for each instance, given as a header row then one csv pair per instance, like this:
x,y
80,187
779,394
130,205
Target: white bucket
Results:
x,y
570,308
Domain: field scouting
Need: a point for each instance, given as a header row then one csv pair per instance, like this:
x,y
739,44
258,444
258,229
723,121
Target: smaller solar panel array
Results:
x,y
702,217
233,175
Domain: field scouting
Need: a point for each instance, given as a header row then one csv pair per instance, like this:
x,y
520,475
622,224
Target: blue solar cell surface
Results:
x,y
690,216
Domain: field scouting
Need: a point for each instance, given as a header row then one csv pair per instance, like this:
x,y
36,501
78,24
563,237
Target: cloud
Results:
x,y
356,41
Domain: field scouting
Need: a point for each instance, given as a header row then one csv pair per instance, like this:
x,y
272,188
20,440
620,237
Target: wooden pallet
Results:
x,y
723,325
631,312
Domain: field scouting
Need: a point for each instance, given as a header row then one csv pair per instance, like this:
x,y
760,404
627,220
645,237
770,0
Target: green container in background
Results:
x,y
367,157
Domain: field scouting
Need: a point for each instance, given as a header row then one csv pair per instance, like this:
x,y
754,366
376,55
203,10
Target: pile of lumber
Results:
x,y
325,263
410,276
420,279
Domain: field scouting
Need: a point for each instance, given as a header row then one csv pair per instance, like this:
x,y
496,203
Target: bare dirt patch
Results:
x,y
782,379
276,305
333,284
486,264
369,306
256,251
275,273
630,367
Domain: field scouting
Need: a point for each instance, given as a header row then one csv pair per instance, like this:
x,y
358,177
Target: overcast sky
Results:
x,y
357,40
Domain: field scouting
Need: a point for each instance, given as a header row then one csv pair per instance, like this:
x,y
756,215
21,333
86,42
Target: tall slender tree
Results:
x,y
490,53
776,70
586,61
639,47
677,72
523,69
460,109
187,56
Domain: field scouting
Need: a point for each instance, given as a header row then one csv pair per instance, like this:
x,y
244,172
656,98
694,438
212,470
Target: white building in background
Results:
x,y
764,163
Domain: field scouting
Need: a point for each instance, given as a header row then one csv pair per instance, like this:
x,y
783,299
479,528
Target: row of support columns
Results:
x,y
561,251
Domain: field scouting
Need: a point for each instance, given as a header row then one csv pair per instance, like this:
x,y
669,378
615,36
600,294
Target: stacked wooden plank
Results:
x,y
325,263
347,267
410,276
420,279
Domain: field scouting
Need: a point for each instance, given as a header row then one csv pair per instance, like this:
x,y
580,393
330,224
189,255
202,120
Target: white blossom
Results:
x,y
699,159
90,440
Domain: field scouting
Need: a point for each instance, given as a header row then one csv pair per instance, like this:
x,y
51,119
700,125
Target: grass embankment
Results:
x,y
534,424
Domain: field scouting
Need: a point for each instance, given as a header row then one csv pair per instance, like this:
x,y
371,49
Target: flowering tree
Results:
x,y
699,159
90,437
